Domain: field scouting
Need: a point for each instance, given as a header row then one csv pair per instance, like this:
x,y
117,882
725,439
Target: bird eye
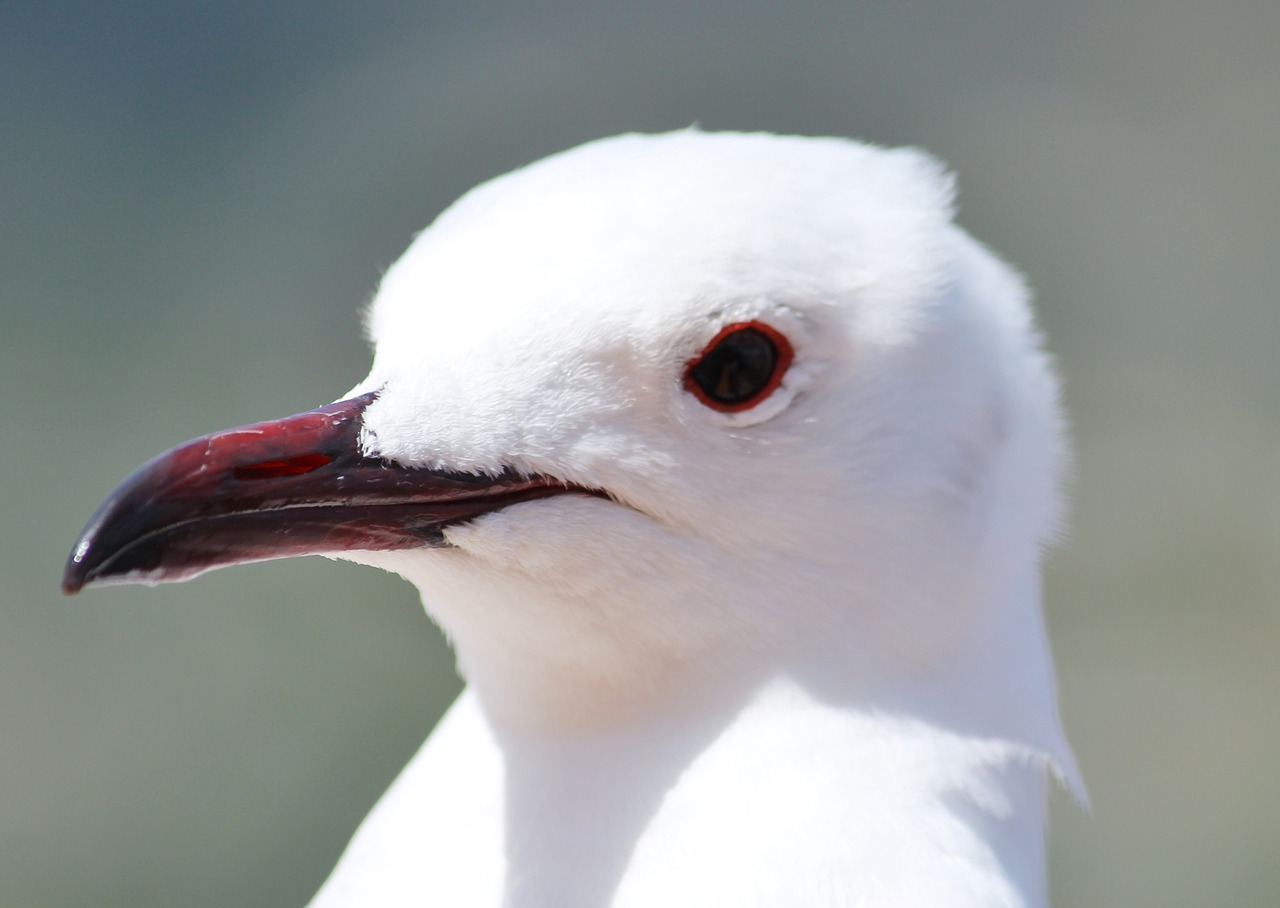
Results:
x,y
741,366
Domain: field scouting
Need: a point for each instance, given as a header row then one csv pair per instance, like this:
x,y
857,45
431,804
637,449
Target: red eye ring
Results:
x,y
740,367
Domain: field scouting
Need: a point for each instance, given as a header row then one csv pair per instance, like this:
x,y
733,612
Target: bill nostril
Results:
x,y
288,466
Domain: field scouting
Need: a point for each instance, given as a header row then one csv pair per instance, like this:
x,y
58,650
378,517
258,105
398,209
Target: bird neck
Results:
x,y
538,674
655,762
789,800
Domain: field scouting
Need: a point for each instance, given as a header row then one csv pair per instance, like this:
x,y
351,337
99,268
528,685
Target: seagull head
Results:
x,y
658,419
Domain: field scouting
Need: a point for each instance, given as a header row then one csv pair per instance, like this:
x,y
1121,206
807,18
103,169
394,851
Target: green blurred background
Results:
x,y
196,198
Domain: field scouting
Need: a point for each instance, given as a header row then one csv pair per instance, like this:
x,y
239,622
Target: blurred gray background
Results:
x,y
196,198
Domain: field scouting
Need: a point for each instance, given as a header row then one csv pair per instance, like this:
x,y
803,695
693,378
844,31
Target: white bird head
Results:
x,y
737,408
880,503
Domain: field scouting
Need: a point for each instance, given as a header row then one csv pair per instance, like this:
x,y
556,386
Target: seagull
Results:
x,y
726,462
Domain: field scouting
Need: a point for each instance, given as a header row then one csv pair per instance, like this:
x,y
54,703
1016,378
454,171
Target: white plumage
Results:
x,y
725,461
798,659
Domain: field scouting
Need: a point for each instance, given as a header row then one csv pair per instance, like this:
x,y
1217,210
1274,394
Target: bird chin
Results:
x,y
530,537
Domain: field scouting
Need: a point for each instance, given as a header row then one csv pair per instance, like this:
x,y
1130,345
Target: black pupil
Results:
x,y
737,368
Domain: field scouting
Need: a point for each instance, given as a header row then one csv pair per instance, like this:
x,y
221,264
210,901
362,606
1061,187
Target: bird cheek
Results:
x,y
583,546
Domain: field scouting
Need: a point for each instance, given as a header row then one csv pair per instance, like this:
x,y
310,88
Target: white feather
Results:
x,y
799,658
